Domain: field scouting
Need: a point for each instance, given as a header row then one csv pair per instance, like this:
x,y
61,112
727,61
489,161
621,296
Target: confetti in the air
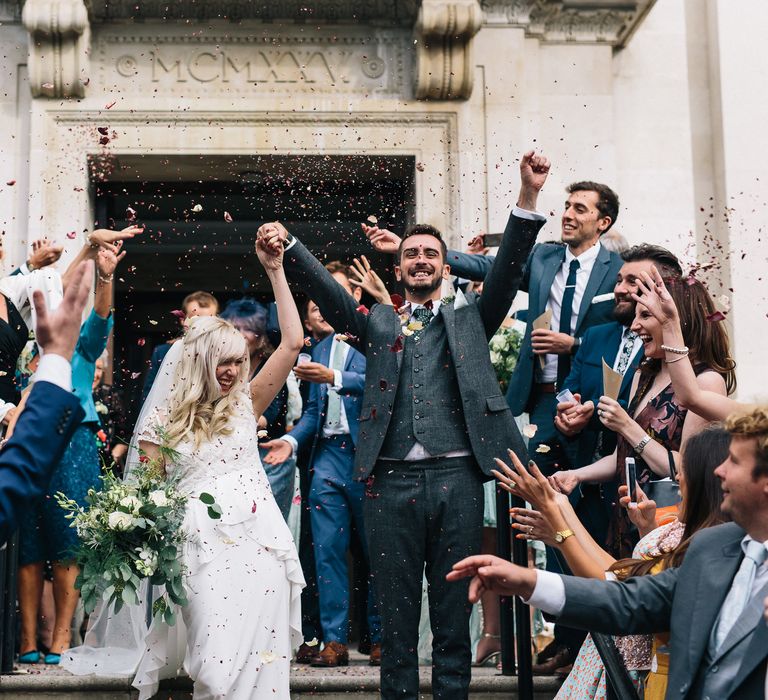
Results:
x,y
530,430
543,449
227,217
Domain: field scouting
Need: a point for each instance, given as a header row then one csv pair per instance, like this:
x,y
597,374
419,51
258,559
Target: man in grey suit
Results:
x,y
431,423
712,604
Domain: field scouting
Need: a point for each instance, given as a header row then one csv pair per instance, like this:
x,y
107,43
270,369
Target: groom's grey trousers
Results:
x,y
428,511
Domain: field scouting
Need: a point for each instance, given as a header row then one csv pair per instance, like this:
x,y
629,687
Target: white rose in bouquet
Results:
x,y
159,498
120,521
132,503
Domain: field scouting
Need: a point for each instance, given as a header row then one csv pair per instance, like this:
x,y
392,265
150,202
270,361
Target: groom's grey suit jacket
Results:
x,y
468,326
686,601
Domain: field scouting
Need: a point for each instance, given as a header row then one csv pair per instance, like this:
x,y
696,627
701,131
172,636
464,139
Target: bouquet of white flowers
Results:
x,y
130,530
504,348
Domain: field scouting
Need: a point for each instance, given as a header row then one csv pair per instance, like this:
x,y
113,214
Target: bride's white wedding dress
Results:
x,y
243,579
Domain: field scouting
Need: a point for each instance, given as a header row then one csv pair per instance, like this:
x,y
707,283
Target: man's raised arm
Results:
x,y
506,274
303,269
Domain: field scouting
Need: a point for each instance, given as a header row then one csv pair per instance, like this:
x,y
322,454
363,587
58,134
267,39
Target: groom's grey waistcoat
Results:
x,y
427,404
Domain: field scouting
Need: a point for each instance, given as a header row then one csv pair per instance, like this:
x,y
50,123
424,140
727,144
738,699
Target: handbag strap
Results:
x,y
672,467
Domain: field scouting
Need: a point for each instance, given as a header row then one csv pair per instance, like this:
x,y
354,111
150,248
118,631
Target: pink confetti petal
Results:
x,y
253,507
141,342
383,384
396,300
72,235
135,375
130,214
11,183
397,346
716,316
104,140
227,217
178,313
110,105
297,500
103,130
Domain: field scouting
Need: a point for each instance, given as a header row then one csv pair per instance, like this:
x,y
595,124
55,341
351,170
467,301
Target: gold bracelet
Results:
x,y
677,359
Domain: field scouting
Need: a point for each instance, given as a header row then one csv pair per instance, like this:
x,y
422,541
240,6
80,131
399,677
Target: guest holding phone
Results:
x,y
655,426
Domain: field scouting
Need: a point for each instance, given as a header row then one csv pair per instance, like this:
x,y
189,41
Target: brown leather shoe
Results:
x,y
556,658
375,659
306,653
333,654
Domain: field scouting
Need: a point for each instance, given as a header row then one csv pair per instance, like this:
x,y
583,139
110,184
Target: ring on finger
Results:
x,y
512,484
530,529
599,411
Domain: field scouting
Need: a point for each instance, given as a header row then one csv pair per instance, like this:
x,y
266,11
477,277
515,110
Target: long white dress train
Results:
x,y
236,634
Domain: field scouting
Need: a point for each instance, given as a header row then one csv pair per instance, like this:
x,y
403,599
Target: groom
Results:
x,y
431,423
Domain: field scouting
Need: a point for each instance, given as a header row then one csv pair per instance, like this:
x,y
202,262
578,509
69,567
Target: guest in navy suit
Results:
x,y
52,412
330,427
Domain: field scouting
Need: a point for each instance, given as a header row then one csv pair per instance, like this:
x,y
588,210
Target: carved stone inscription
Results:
x,y
333,64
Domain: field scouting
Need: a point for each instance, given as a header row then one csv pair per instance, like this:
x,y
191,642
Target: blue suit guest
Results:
x,y
329,427
575,282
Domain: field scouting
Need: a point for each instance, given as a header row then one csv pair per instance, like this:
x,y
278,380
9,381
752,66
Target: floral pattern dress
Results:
x,y
662,419
586,680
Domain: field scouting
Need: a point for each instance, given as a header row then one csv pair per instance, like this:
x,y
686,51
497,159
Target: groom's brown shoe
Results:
x,y
306,653
375,659
333,654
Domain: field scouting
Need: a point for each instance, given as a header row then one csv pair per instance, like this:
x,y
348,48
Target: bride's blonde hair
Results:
x,y
196,404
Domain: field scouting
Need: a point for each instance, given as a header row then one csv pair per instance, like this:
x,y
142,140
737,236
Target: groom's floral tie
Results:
x,y
422,315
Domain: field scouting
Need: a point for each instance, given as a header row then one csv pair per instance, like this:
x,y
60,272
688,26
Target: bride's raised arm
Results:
x,y
268,382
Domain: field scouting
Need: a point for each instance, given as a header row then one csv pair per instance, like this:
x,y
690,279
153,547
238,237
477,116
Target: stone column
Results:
x,y
443,37
59,37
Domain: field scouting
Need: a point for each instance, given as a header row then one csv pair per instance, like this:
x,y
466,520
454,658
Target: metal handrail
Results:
x,y
618,684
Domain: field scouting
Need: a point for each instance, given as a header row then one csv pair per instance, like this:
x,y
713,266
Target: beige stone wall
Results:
x,y
673,121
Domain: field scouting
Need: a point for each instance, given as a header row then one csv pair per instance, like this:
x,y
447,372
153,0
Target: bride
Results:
x,y
243,579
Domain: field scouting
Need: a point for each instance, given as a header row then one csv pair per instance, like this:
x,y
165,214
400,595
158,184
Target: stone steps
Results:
x,y
355,682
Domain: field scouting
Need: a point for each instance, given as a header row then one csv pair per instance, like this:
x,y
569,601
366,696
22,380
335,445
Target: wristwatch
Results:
x,y
562,535
576,345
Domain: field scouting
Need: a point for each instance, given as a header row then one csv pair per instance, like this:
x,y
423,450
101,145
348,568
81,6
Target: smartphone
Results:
x,y
565,395
492,240
630,472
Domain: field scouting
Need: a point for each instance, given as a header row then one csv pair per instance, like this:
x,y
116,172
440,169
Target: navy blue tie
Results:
x,y
566,310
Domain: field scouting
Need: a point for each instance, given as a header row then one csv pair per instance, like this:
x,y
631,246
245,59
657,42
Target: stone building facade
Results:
x,y
662,99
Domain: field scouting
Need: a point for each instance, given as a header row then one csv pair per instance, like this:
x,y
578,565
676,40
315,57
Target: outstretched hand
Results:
x,y
495,575
44,253
110,240
531,486
381,239
107,259
365,277
57,332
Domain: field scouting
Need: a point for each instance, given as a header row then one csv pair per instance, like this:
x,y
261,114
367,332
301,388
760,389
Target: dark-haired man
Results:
x,y
431,424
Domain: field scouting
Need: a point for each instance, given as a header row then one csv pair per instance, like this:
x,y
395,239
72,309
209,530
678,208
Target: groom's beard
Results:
x,y
423,287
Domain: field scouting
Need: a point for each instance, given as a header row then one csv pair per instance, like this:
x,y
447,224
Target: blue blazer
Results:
x,y
586,378
309,428
42,433
541,267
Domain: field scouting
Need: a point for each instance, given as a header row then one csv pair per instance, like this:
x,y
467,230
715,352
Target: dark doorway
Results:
x,y
201,214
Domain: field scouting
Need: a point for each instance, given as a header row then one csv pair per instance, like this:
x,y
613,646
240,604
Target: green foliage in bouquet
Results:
x,y
129,531
505,348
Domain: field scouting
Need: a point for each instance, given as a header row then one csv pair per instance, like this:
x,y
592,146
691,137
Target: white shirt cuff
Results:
x,y
292,442
54,369
4,408
549,593
291,243
521,213
337,379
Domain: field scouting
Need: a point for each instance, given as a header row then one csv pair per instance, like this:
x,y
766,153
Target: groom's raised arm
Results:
x,y
304,270
506,274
